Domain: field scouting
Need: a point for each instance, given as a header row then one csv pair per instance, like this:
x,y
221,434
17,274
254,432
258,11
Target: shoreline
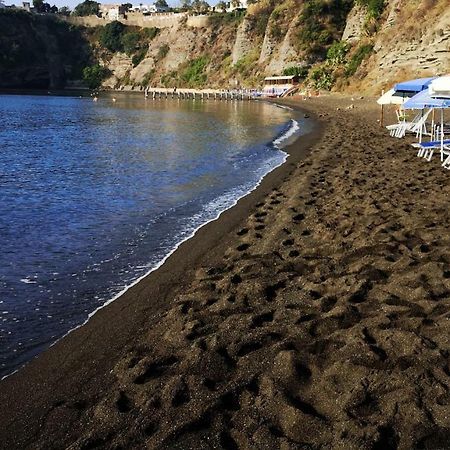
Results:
x,y
194,248
276,141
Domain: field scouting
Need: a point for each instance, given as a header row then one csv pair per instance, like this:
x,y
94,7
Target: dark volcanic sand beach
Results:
x,y
314,314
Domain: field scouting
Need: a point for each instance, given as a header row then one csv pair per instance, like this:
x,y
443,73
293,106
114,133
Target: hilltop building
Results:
x,y
118,11
235,5
112,11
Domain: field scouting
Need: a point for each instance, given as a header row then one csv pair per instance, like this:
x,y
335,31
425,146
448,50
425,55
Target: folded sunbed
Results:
x,y
426,150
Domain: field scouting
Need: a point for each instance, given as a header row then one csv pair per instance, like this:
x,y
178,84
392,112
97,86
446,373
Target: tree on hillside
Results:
x,y
111,36
186,5
87,8
126,7
41,7
200,6
94,75
38,5
64,11
236,4
221,6
161,4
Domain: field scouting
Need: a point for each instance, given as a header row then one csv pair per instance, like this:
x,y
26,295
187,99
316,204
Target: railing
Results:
x,y
214,94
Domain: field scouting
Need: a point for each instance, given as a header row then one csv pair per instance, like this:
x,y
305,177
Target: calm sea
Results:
x,y
93,196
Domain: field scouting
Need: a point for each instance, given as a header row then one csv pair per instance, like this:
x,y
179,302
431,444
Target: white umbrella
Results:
x,y
392,97
440,87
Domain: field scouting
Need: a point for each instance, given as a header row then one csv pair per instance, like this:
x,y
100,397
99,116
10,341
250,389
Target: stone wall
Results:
x,y
161,20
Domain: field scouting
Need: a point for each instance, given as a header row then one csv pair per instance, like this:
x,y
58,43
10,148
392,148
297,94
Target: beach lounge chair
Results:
x,y
417,126
426,149
446,163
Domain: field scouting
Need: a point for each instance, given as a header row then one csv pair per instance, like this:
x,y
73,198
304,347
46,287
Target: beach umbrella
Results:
x,y
424,100
440,87
392,98
413,86
402,91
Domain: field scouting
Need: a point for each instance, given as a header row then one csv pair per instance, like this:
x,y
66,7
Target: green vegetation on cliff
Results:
x,y
134,41
93,76
40,51
321,22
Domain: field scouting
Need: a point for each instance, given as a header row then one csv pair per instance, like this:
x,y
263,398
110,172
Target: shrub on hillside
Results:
x,y
130,42
322,77
374,7
150,33
94,75
357,58
163,50
225,18
111,36
320,23
87,8
337,52
298,71
194,74
247,63
147,77
139,56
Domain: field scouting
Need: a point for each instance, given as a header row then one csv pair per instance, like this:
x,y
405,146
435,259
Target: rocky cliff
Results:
x,y
381,43
351,45
413,41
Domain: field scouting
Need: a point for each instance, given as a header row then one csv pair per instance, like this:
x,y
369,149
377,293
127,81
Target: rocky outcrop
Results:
x,y
354,28
244,41
287,55
408,48
268,46
120,66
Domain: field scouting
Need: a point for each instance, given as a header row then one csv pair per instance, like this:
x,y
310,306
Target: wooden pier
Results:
x,y
200,94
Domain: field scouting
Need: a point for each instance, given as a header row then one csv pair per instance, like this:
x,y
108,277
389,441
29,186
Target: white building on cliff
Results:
x,y
234,5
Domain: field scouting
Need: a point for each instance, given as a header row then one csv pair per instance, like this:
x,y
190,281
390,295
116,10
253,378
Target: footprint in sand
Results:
x,y
242,247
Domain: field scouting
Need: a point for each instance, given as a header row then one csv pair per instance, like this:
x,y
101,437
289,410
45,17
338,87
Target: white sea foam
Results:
x,y
28,281
294,128
284,107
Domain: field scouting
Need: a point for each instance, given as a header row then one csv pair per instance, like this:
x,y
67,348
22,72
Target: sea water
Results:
x,y
94,195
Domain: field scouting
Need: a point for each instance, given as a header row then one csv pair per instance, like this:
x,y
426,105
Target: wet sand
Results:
x,y
314,314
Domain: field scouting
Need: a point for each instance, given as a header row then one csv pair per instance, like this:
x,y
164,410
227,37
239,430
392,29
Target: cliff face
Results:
x,y
402,40
39,51
344,44
413,41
